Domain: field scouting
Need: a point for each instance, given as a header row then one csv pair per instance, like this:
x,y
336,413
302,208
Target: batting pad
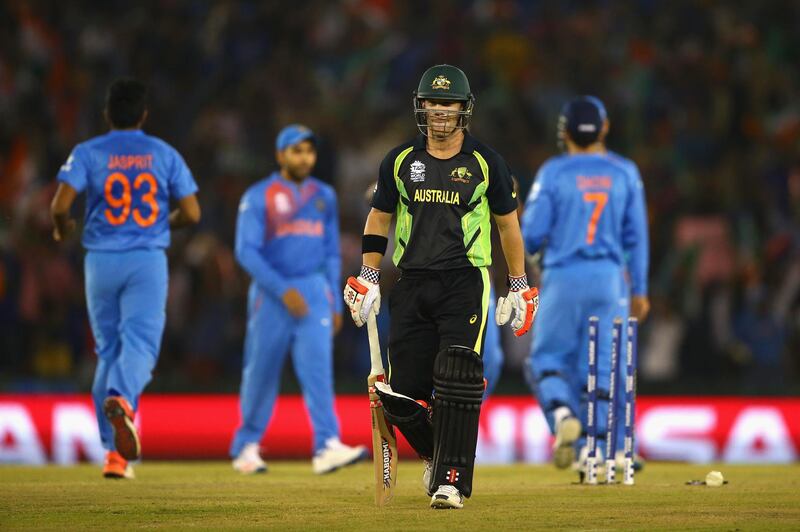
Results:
x,y
458,391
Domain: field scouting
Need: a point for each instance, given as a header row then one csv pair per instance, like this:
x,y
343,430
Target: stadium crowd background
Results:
x,y
703,95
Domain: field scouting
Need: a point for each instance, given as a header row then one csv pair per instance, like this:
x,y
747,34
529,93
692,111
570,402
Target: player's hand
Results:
x,y
640,307
337,322
295,303
69,228
362,295
519,306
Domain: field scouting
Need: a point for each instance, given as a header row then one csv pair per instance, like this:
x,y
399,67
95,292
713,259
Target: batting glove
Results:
x,y
522,303
363,295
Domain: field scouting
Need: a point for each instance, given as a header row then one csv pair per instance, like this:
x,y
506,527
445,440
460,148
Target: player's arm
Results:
x,y
362,294
636,243
333,261
183,186
250,230
537,218
186,213
378,224
60,207
522,302
72,179
511,242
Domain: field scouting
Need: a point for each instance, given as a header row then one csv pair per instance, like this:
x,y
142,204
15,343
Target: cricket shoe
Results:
x,y
335,454
581,465
568,431
116,466
120,414
426,476
249,460
447,497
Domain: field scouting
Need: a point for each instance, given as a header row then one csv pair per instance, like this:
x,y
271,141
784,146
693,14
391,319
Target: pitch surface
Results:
x,y
209,495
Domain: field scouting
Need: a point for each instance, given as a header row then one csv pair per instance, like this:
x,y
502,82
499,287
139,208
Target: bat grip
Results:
x,y
374,346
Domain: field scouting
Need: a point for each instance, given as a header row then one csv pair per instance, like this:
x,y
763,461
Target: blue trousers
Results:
x,y
557,368
126,294
492,351
271,334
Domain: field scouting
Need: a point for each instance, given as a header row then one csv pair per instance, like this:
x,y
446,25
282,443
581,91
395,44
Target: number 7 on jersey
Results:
x,y
599,199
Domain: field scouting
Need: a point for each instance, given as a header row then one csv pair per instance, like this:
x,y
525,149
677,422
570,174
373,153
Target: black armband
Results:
x,y
374,244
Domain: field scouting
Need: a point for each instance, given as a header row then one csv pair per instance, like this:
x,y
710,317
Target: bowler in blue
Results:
x,y
287,240
131,181
586,215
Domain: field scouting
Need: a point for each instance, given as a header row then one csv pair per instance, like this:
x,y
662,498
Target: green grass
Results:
x,y
208,495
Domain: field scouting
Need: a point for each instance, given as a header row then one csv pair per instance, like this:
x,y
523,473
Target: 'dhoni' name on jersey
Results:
x,y
129,179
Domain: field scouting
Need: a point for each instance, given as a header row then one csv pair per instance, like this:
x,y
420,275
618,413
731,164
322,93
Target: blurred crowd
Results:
x,y
701,94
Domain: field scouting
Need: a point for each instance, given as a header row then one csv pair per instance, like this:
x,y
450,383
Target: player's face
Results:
x,y
442,117
298,160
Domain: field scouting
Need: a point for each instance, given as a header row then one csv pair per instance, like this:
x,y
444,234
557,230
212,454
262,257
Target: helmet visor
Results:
x,y
438,119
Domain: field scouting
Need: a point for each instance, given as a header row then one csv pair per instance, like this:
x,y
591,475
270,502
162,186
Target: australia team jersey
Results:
x,y
586,207
129,178
443,207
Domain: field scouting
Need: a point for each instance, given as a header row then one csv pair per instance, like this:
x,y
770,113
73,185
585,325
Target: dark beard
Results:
x,y
297,178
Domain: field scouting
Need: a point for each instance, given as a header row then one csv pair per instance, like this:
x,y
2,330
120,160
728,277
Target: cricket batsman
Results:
x,y
444,187
587,211
130,180
287,239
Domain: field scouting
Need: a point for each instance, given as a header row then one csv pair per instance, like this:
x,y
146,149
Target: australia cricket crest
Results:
x,y
461,174
440,83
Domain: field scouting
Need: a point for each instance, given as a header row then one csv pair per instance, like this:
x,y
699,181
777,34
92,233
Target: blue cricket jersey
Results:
x,y
286,230
589,206
129,178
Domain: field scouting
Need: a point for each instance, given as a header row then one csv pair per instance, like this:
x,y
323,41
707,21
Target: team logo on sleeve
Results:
x,y
417,172
67,166
440,83
282,203
461,174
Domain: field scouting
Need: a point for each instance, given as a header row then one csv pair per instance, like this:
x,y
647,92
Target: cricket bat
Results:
x,y
384,442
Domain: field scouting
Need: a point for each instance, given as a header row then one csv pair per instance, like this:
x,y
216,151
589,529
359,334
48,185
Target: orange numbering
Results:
x,y
120,204
599,199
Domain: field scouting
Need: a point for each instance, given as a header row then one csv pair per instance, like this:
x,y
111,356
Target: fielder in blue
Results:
x,y
130,179
287,239
586,212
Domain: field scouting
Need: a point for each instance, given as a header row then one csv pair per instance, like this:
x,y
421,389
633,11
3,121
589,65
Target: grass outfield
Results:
x,y
209,495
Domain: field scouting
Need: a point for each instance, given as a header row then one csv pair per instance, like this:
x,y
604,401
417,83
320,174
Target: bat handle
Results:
x,y
374,346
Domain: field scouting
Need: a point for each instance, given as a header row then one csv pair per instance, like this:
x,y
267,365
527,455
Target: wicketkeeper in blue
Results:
x,y
287,239
130,180
587,213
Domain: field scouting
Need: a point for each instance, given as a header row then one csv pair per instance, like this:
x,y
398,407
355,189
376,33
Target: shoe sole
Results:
x,y
256,471
445,504
564,450
126,440
358,458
